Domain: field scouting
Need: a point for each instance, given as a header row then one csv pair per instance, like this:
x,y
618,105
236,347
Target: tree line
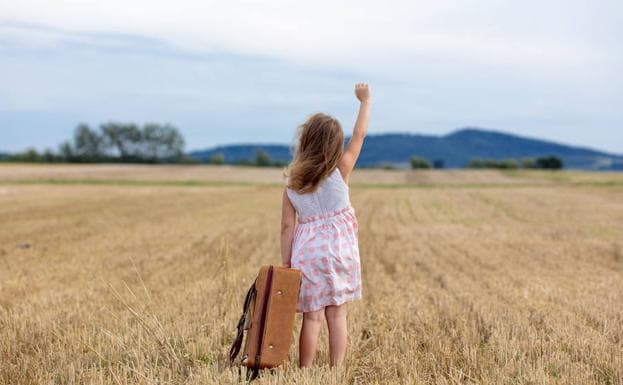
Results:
x,y
114,142
157,143
261,159
544,162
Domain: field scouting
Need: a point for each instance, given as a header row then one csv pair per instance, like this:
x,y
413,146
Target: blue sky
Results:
x,y
230,72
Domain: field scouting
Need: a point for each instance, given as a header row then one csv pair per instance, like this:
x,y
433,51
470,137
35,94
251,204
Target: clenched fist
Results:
x,y
362,91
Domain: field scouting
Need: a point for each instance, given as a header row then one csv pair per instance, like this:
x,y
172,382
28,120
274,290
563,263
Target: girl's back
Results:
x,y
330,196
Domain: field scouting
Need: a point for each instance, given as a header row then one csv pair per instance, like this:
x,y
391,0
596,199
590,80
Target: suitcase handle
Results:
x,y
235,347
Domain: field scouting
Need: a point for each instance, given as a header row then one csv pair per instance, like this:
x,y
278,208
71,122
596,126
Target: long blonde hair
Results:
x,y
317,150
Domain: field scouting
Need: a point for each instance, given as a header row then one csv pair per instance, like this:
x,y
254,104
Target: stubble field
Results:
x,y
136,275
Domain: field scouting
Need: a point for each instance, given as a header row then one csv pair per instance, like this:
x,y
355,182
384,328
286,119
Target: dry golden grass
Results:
x,y
218,175
136,275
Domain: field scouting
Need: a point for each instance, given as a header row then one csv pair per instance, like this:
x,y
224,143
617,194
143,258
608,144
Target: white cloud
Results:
x,y
530,34
532,66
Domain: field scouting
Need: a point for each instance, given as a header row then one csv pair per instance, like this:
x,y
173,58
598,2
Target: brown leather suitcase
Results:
x,y
268,317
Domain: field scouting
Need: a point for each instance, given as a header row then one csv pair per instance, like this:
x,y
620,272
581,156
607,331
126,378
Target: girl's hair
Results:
x,y
317,150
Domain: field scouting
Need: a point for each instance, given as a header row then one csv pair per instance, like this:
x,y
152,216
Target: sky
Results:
x,y
252,71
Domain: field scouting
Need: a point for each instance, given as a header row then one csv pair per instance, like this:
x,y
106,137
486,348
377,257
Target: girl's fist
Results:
x,y
362,91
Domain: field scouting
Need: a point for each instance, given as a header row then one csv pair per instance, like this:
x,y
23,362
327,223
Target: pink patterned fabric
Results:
x,y
325,248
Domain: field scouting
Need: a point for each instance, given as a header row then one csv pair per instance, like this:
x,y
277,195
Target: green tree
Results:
x,y
89,146
124,139
154,143
262,158
66,152
160,143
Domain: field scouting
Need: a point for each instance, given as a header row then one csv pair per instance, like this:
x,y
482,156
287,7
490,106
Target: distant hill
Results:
x,y
455,149
235,153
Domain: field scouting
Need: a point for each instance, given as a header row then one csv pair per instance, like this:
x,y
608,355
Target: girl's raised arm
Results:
x,y
347,163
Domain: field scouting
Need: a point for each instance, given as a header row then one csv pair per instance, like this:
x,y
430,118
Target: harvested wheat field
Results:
x,y
136,275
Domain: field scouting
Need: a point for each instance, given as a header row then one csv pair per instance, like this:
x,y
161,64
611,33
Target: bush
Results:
x,y
217,159
508,164
493,163
30,155
476,163
49,156
417,162
244,162
528,163
184,159
549,162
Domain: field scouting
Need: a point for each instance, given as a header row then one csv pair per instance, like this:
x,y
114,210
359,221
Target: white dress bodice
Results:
x,y
331,195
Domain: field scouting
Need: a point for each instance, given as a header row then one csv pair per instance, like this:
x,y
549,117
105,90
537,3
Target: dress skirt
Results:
x,y
325,248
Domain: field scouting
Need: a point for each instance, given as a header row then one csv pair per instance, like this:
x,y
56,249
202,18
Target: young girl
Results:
x,y
323,243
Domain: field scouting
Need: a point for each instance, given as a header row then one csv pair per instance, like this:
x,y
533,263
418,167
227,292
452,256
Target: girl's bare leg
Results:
x,y
312,321
338,333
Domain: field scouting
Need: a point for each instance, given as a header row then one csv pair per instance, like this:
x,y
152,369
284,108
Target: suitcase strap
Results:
x,y
244,320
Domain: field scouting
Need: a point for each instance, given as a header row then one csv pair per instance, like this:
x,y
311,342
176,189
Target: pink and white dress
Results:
x,y
325,246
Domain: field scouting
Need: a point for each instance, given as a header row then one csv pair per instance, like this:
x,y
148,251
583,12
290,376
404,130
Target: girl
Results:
x,y
323,243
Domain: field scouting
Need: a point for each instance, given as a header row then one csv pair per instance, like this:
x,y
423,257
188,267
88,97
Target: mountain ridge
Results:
x,y
455,149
